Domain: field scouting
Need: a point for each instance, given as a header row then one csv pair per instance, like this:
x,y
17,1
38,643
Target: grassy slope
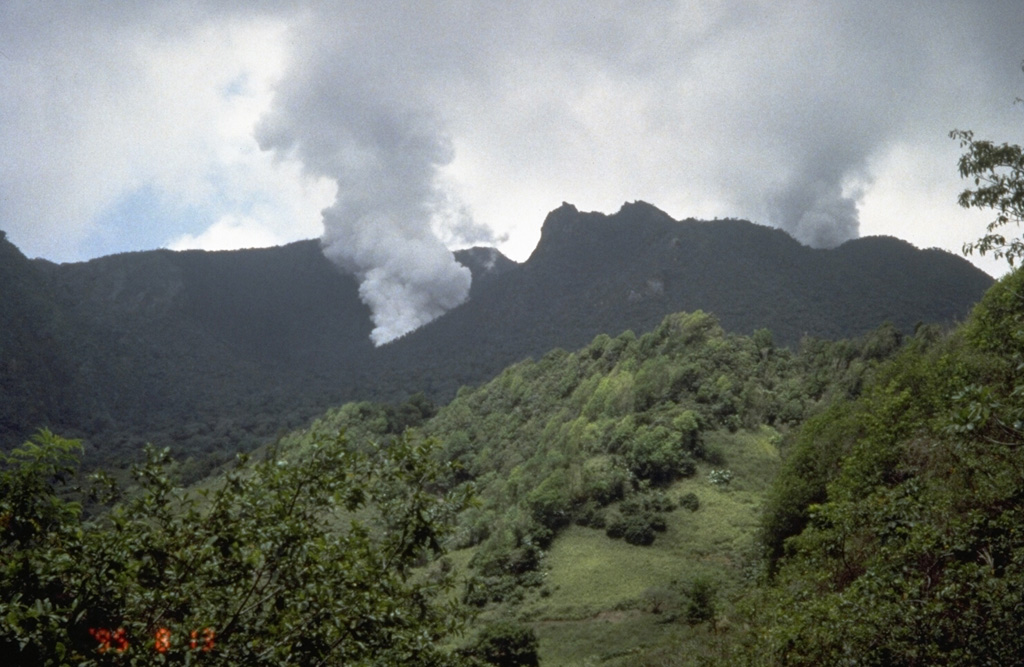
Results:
x,y
607,601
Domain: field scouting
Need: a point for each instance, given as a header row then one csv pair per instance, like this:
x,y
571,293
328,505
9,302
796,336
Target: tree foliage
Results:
x,y
306,560
997,171
505,643
596,437
897,524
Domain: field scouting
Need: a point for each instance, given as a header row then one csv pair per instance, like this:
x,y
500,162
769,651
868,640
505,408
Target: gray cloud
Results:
x,y
106,104
445,123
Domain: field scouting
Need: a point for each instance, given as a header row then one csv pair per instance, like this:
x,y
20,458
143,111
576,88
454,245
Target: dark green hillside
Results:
x,y
620,490
593,273
198,350
895,526
893,533
37,369
214,352
631,441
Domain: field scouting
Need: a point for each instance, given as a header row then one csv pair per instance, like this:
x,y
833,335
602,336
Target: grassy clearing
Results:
x,y
605,601
610,638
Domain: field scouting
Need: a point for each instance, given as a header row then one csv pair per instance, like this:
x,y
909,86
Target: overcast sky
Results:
x,y
417,127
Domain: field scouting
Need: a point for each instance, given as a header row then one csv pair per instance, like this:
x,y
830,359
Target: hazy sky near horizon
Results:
x,y
397,130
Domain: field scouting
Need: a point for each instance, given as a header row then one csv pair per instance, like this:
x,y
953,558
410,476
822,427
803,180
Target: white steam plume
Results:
x,y
349,115
407,277
817,213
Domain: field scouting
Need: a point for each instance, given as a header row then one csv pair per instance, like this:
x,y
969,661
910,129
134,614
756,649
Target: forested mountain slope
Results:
x,y
304,551
211,350
627,510
894,532
593,273
653,449
36,369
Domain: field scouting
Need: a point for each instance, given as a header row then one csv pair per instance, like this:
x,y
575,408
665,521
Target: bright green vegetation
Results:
x,y
893,534
619,488
597,436
270,568
611,599
620,482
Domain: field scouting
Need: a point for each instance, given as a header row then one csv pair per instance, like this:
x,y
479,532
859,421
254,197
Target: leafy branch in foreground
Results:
x,y
998,174
300,561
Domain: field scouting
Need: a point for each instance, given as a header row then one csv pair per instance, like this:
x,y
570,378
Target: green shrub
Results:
x,y
658,523
639,531
549,501
590,515
690,501
647,502
481,590
604,481
616,527
505,643
635,529
701,603
656,454
495,561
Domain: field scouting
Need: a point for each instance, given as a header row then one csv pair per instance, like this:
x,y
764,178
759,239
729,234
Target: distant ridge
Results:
x,y
188,348
593,273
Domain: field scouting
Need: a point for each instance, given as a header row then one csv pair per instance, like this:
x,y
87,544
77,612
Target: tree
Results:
x,y
701,606
305,560
656,454
998,174
507,644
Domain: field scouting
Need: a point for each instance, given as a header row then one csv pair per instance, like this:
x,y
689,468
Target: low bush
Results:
x,y
504,643
690,501
635,529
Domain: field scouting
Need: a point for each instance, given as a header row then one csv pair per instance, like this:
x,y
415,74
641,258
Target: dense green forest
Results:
x,y
685,496
894,531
